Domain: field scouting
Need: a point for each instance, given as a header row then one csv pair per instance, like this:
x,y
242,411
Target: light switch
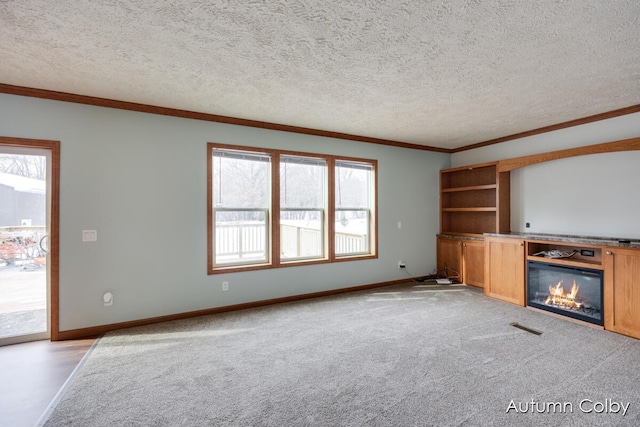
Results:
x,y
89,235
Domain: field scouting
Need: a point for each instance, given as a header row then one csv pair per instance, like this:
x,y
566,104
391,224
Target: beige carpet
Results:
x,y
399,356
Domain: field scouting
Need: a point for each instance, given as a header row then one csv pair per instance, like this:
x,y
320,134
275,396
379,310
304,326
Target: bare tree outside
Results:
x,y
34,167
241,183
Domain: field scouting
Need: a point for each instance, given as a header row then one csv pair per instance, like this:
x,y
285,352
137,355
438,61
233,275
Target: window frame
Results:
x,y
369,210
323,209
273,222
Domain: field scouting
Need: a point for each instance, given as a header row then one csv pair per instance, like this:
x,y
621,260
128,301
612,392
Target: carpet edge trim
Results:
x,y
63,390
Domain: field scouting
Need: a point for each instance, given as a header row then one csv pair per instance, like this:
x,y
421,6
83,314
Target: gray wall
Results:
x,y
140,181
594,195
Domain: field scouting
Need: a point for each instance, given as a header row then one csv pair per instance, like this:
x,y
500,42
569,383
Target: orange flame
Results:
x,y
562,298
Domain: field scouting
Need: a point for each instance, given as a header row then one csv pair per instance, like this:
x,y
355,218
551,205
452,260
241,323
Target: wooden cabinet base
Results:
x,y
449,257
473,263
504,269
505,275
622,291
462,260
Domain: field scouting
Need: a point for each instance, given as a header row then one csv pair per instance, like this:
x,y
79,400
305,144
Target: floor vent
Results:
x,y
524,328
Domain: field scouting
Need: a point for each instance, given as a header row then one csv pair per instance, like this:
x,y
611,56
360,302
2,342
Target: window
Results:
x,y
271,208
354,206
303,204
241,207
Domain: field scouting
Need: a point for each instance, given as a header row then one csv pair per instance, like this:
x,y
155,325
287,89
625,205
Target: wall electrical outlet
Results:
x,y
225,286
107,299
401,264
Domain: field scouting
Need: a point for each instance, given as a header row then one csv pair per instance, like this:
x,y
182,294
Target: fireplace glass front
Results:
x,y
570,291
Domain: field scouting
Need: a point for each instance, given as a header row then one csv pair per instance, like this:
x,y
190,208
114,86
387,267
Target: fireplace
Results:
x,y
575,292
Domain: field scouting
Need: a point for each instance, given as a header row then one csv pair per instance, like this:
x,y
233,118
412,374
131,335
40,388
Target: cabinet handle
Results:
x,y
464,245
609,253
521,244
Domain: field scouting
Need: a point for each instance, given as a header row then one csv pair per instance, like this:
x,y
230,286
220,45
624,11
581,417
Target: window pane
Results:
x,y
309,199
352,228
354,207
240,236
241,179
303,200
301,234
302,182
353,185
241,202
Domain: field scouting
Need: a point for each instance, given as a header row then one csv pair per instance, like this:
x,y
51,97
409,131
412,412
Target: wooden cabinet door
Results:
x,y
473,262
622,291
450,256
504,269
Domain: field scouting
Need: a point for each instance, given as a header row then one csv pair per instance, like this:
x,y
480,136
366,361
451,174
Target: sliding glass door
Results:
x,y
25,221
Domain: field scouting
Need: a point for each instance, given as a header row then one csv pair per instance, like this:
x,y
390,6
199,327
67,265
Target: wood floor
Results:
x,y
31,375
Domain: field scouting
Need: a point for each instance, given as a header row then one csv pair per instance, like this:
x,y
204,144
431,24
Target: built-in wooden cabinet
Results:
x,y
622,290
474,200
449,257
505,269
583,255
462,260
505,274
473,262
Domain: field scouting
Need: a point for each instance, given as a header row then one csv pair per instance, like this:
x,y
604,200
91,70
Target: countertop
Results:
x,y
459,237
567,238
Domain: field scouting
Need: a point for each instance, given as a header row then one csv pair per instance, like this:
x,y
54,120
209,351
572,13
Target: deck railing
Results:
x,y
237,242
240,242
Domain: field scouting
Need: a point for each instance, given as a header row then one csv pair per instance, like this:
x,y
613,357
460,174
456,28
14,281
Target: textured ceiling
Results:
x,y
438,73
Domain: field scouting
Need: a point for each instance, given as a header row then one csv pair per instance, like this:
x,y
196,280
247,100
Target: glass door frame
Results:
x,y
52,150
